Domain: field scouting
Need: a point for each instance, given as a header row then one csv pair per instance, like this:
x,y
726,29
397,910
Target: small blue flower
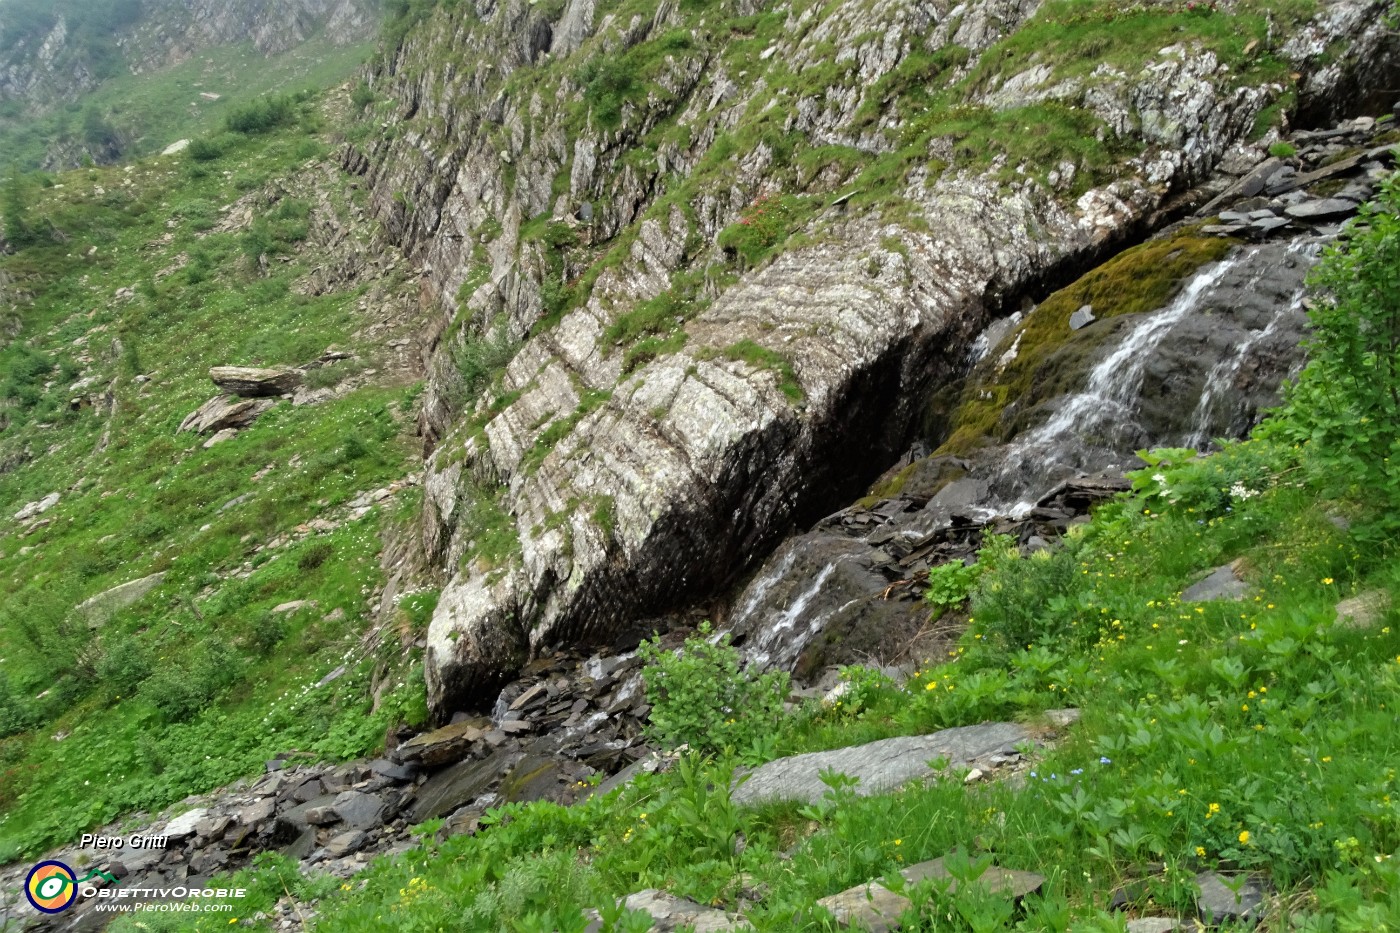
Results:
x,y
1077,771
1033,774
1105,761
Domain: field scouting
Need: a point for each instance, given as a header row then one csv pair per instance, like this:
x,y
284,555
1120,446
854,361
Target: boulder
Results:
x,y
224,412
442,746
1082,318
878,766
34,509
247,382
1004,881
1363,610
108,603
1221,583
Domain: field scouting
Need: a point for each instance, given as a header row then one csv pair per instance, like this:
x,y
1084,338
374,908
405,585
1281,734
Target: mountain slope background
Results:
x,y
650,288
99,81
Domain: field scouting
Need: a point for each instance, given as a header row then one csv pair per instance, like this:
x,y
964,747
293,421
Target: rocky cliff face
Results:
x,y
57,57
742,246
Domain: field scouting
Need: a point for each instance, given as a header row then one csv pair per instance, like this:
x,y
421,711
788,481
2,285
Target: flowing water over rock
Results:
x,y
1242,317
1202,366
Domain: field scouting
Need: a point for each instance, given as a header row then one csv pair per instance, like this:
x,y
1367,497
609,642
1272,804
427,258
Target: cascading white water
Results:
x,y
1223,373
761,652
1111,394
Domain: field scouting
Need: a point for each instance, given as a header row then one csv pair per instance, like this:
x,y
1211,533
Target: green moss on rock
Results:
x,y
1050,358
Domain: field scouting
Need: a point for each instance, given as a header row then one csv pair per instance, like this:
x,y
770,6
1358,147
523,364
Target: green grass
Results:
x,y
193,666
1247,735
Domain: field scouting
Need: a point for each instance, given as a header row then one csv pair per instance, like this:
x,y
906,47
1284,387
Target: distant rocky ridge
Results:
x,y
49,68
637,486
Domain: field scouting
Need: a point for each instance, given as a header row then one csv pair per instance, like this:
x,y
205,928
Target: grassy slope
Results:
x,y
196,664
153,110
1253,735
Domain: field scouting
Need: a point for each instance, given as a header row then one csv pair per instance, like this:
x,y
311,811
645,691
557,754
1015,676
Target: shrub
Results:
x,y
701,697
262,114
1345,406
122,664
949,584
204,149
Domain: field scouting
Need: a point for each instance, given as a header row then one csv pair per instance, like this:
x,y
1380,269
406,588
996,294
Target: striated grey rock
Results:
x,y
670,913
248,382
37,508
871,907
108,603
442,746
1154,925
224,412
879,766
1229,898
699,459
1222,583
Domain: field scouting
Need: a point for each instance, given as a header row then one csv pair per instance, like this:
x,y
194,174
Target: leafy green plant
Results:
x,y
949,585
1345,406
700,696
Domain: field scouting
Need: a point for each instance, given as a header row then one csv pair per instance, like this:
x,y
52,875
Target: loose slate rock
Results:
x,y
184,825
460,784
1324,209
1223,583
442,746
359,810
871,907
248,382
1227,898
879,766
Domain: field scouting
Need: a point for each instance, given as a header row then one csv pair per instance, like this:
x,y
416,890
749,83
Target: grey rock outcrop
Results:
x,y
224,412
251,382
879,766
104,605
780,389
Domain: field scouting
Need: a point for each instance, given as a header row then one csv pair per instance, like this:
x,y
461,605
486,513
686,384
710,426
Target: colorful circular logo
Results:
x,y
51,887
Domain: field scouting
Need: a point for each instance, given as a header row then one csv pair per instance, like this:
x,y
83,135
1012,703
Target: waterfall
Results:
x,y
772,635
1222,374
1111,394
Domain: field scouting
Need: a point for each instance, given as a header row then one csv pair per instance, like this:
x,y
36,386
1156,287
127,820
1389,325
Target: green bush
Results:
x,y
701,697
1345,406
261,115
123,664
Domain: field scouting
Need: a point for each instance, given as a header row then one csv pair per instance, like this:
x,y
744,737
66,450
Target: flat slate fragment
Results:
x,y
871,907
1009,882
879,766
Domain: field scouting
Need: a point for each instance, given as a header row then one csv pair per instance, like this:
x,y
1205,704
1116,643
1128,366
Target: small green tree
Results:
x,y
1345,406
14,208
